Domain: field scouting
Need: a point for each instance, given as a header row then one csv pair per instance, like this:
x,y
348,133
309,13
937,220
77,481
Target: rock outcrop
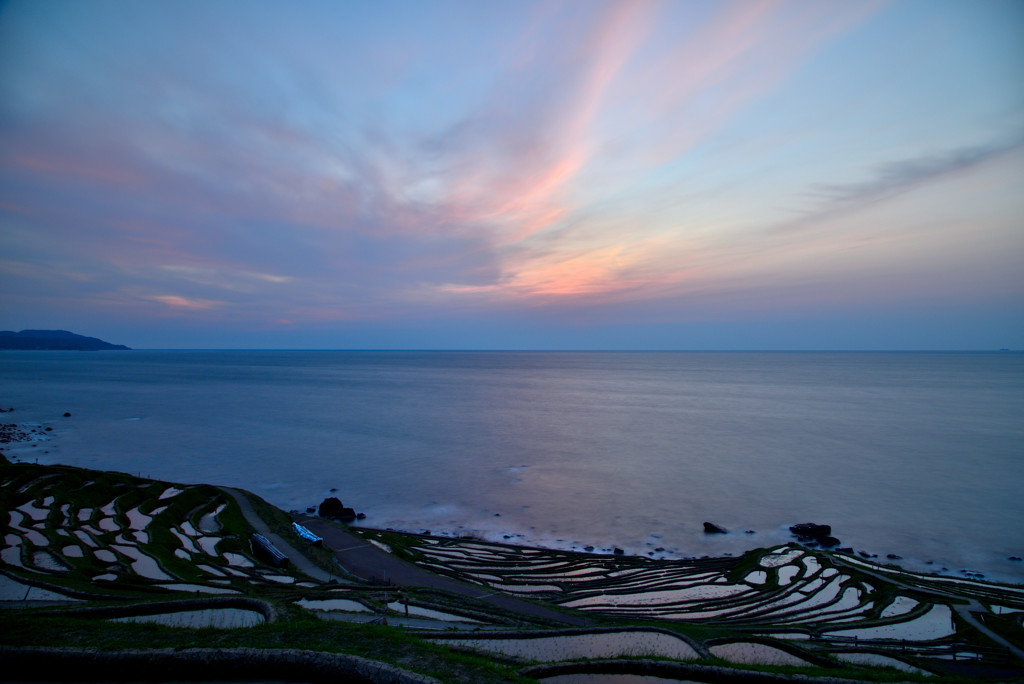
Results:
x,y
331,507
813,533
812,530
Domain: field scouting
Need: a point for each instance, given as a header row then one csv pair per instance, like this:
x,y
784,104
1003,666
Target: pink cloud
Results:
x,y
17,209
95,169
523,190
186,303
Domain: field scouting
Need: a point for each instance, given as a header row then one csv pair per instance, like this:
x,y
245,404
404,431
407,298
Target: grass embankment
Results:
x,y
280,523
299,631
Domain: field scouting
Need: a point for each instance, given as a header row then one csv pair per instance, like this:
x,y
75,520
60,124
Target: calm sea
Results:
x,y
915,454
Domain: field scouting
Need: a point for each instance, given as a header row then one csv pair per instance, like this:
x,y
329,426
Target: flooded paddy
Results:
x,y
222,618
13,590
429,613
607,645
935,624
347,605
595,678
876,660
754,653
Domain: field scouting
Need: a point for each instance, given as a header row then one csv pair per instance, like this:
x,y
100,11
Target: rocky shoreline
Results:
x,y
789,601
21,441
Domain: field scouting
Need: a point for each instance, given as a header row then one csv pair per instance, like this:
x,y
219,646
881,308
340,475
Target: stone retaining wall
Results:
x,y
700,648
204,663
267,610
674,670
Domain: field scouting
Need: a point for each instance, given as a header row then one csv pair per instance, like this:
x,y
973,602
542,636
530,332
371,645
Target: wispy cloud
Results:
x,y
186,303
894,178
234,279
340,163
899,176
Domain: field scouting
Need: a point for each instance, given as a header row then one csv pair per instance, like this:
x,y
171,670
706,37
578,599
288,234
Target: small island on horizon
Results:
x,y
54,340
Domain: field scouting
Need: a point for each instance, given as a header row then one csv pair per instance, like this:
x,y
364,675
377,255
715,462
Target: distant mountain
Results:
x,y
53,339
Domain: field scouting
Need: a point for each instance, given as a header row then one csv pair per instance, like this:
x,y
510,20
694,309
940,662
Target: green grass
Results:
x,y
301,631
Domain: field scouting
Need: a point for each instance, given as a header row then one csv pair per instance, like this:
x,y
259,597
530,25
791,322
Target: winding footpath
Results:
x,y
366,562
964,611
300,562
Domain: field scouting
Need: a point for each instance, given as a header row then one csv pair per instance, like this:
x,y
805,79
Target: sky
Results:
x,y
689,174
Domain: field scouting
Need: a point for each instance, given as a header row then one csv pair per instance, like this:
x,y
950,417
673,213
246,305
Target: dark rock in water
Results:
x,y
588,548
659,549
311,509
334,489
360,516
864,554
1015,558
67,414
331,507
750,532
712,528
829,542
893,556
618,552
812,530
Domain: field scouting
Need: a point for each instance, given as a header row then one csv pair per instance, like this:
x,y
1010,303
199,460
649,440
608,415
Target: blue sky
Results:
x,y
619,175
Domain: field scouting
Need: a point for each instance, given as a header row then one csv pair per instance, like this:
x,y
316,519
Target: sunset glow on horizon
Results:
x,y
757,174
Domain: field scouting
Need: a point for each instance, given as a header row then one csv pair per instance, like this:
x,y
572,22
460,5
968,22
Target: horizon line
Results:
x,y
576,351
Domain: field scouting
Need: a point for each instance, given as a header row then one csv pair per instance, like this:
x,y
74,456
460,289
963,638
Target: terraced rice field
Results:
x,y
123,538
788,593
789,586
47,535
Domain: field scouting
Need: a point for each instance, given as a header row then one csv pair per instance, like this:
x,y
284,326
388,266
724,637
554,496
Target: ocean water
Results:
x,y
915,454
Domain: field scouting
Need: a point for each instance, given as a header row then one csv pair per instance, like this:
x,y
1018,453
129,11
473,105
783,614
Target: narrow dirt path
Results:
x,y
964,611
301,563
366,561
